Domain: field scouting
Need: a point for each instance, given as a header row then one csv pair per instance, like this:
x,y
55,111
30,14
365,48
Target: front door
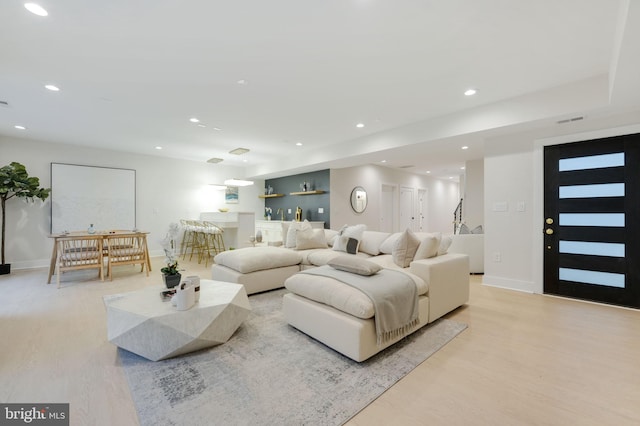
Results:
x,y
592,211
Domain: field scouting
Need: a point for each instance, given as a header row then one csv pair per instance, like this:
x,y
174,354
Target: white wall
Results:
x,y
442,196
508,181
167,190
513,173
473,205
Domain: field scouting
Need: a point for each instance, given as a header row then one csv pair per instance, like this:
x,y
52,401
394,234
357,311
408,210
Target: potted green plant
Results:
x,y
170,273
15,182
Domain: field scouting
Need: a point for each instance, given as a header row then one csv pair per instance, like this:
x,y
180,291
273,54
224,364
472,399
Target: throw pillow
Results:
x,y
354,232
405,248
387,245
445,243
354,265
346,244
428,246
464,229
294,227
330,236
310,239
371,241
477,230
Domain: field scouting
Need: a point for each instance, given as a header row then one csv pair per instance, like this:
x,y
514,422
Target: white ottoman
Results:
x,y
257,268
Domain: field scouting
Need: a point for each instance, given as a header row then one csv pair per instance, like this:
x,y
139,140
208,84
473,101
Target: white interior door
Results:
x,y
407,209
422,210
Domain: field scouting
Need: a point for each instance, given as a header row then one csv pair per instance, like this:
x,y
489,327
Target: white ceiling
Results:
x,y
132,73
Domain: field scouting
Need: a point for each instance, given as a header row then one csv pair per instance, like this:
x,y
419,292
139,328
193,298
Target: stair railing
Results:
x,y
457,216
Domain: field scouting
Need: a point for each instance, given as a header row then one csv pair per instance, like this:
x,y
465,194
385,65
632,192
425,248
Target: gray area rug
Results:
x,y
269,373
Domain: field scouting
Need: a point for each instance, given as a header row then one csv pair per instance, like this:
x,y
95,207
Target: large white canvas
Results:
x,y
84,195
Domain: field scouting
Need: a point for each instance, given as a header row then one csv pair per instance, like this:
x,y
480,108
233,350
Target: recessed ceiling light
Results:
x,y
215,160
470,92
383,161
465,147
239,151
158,147
428,171
52,88
461,168
217,129
19,127
194,120
298,143
36,9
201,125
360,125
242,82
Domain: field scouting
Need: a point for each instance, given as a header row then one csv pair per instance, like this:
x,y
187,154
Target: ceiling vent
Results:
x,y
239,151
4,104
569,120
215,160
405,167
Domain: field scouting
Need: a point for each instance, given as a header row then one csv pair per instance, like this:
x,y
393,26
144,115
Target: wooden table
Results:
x,y
84,234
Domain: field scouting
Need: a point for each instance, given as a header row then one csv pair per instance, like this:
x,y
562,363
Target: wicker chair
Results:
x,y
75,253
126,250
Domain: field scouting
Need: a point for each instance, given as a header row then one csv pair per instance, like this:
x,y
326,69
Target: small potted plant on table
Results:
x,y
170,273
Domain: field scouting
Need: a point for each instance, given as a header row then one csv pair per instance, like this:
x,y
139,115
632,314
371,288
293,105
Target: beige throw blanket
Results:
x,y
394,296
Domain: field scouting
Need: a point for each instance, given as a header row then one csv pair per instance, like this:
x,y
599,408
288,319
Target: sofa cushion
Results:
x,y
293,228
445,243
405,248
354,265
428,246
331,292
322,257
251,259
310,238
338,294
371,241
386,261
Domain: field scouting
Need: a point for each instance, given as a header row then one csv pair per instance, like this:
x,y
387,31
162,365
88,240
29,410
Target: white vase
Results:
x,y
185,297
259,236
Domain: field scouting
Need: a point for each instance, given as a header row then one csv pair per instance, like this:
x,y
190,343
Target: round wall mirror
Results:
x,y
358,199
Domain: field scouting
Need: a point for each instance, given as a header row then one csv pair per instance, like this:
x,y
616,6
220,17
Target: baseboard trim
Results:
x,y
507,283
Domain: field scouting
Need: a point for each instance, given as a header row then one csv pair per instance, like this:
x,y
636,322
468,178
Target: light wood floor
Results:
x,y
524,360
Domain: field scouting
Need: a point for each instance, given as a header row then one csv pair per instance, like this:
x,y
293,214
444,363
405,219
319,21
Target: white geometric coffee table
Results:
x,y
140,322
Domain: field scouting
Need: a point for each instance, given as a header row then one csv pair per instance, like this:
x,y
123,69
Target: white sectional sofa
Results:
x,y
443,281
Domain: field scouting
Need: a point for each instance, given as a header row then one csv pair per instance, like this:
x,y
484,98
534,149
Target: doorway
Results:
x,y
407,209
591,206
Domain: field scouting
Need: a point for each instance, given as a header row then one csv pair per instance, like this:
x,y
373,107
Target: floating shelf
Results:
x,y
270,195
307,193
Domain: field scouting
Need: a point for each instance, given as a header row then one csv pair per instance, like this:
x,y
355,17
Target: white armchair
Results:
x,y
473,246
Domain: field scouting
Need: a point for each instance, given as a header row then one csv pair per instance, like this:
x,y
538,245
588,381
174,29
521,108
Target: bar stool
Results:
x,y
214,242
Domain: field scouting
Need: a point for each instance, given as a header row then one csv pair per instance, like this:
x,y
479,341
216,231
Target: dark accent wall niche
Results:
x,y
309,204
